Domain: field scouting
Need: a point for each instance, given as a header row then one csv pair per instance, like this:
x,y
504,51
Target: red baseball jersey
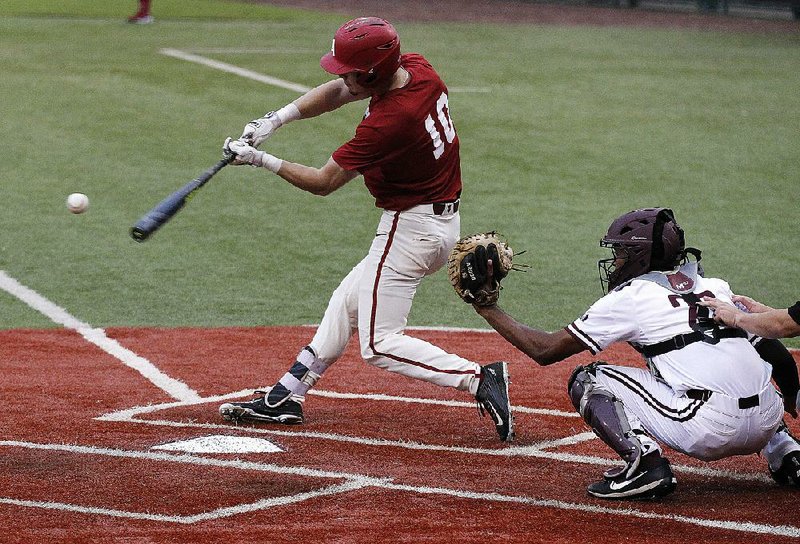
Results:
x,y
406,146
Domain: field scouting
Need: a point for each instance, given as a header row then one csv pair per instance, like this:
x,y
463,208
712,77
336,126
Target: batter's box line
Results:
x,y
353,483
122,415
533,450
219,513
538,450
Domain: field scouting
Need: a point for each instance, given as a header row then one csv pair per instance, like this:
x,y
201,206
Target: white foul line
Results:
x,y
263,78
352,482
232,69
174,388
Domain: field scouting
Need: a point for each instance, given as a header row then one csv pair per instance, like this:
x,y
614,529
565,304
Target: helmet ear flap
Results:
x,y
668,241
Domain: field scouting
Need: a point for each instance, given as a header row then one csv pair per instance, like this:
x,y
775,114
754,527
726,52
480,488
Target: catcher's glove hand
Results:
x,y
468,267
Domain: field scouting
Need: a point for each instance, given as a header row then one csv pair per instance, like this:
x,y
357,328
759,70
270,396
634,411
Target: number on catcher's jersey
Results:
x,y
443,115
699,316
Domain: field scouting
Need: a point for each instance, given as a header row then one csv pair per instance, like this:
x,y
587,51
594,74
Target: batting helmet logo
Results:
x,y
367,45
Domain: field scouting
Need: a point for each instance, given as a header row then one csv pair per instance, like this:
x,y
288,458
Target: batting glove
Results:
x,y
247,154
258,130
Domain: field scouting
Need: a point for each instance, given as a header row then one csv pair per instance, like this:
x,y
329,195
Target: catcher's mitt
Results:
x,y
468,271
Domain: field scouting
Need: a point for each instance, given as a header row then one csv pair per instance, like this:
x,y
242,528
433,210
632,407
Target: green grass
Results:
x,y
581,124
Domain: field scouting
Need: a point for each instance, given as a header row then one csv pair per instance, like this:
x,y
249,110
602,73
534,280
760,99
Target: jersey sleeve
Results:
x,y
372,145
610,319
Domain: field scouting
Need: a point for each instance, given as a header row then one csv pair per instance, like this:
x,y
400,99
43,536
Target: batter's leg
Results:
x,y
282,403
329,342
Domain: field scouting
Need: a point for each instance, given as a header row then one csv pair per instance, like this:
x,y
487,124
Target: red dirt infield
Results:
x,y
380,457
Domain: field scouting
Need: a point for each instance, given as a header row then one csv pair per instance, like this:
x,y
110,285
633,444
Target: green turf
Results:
x,y
580,125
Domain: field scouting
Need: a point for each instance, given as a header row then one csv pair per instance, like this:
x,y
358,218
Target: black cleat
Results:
x,y
287,412
645,483
492,396
789,471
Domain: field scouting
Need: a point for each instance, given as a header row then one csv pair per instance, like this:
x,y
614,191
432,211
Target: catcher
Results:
x,y
707,388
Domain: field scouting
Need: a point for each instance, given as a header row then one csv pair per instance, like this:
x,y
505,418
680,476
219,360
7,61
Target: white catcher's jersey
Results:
x,y
645,313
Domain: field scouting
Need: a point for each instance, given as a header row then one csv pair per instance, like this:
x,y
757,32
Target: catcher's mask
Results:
x,y
642,241
368,46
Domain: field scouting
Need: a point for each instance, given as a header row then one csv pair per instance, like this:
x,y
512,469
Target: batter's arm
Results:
x,y
326,97
543,347
319,181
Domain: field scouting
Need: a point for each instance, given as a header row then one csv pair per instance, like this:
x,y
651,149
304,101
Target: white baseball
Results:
x,y
77,202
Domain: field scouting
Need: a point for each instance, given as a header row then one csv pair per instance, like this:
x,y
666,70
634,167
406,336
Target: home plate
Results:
x,y
221,444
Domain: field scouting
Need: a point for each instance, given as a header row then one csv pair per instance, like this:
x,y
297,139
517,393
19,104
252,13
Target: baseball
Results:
x,y
77,202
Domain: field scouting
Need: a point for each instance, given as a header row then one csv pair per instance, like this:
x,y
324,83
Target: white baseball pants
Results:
x,y
704,429
375,298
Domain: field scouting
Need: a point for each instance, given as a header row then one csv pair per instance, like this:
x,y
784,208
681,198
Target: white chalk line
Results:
x,y
174,388
263,78
236,70
748,527
353,482
127,413
537,450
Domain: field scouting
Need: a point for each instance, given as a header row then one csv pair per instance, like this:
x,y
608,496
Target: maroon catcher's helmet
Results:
x,y
646,239
367,45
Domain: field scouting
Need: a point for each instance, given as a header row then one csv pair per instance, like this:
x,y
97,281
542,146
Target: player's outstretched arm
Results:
x,y
543,347
326,97
763,321
319,181
321,99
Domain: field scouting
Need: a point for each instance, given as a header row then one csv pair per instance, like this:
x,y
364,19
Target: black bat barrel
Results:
x,y
167,208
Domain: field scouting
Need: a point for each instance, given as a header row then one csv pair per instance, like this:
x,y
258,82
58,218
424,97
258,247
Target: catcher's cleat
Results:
x,y
492,396
287,412
789,471
645,483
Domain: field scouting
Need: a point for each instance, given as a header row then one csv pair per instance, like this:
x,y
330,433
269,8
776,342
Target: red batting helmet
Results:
x,y
368,45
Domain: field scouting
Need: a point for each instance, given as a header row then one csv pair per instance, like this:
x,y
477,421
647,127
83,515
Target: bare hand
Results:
x,y
750,305
724,313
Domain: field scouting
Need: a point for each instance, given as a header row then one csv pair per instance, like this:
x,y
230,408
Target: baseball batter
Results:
x,y
707,391
407,150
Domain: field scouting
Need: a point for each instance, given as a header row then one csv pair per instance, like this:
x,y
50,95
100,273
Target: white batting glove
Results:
x,y
247,154
258,130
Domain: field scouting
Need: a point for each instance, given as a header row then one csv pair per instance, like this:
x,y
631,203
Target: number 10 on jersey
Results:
x,y
443,114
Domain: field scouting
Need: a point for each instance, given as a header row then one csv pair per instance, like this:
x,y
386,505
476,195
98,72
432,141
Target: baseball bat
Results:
x,y
167,208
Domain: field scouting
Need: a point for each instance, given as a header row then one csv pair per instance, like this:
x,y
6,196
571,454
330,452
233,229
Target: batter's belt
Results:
x,y
437,208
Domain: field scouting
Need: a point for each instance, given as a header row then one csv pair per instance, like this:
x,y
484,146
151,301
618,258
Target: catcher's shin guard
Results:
x,y
605,415
302,376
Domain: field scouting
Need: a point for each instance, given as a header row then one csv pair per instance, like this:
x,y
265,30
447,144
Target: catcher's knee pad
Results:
x,y
581,384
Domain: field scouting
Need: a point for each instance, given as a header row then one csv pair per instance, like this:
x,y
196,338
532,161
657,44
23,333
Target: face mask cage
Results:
x,y
618,268
606,267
